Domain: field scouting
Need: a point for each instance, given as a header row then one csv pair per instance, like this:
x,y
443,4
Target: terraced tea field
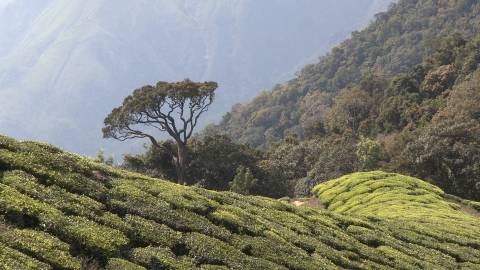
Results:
x,y
60,211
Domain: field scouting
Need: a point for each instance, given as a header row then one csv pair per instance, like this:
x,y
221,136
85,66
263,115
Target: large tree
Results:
x,y
174,108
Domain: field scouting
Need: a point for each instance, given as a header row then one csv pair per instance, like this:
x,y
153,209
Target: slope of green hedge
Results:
x,y
59,209
391,196
414,211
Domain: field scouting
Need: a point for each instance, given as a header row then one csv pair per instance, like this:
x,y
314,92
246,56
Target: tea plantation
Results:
x,y
64,211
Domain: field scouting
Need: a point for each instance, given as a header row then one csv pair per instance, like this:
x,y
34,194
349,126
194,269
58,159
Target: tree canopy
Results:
x,y
174,108
161,107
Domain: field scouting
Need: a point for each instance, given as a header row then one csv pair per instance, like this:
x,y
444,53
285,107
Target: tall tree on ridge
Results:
x,y
174,108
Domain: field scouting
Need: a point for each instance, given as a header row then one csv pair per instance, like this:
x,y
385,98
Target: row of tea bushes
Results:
x,y
59,209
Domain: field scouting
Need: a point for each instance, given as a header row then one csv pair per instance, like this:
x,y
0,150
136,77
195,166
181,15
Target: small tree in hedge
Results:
x,y
243,182
369,153
174,108
105,160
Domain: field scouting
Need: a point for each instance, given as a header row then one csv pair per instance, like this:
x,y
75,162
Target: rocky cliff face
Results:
x,y
65,64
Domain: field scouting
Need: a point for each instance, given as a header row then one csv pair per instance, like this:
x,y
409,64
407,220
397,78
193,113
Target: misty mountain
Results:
x,y
65,64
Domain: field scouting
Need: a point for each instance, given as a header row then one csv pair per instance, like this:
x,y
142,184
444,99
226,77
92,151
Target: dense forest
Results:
x,y
402,95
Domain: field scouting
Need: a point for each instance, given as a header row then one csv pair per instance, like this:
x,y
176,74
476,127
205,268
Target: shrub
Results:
x,y
55,196
176,195
207,250
237,220
121,264
11,259
160,258
54,170
475,205
369,153
373,220
89,234
213,267
405,200
279,252
42,246
150,232
13,202
113,221
243,182
127,198
94,237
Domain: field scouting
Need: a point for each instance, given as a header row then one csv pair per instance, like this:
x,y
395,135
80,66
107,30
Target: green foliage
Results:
x,y
55,196
447,152
475,205
42,246
393,196
327,158
121,264
215,160
362,190
275,249
395,81
400,202
67,172
10,259
102,159
237,220
147,231
146,223
406,35
160,258
213,164
369,153
350,111
142,106
94,237
243,182
271,180
155,162
173,108
206,250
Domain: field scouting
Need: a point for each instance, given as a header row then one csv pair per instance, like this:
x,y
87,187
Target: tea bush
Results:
x,y
58,208
121,264
42,246
11,259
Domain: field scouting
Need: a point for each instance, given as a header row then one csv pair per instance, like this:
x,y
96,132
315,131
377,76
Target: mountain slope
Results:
x,y
392,45
59,209
64,65
403,95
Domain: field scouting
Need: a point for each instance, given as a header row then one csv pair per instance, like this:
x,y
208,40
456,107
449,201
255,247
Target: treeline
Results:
x,y
215,162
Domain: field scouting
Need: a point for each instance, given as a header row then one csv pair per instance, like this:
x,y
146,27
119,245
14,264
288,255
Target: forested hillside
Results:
x,y
63,211
402,95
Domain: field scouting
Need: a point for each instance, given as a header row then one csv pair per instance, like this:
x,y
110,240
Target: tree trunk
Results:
x,y
181,163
